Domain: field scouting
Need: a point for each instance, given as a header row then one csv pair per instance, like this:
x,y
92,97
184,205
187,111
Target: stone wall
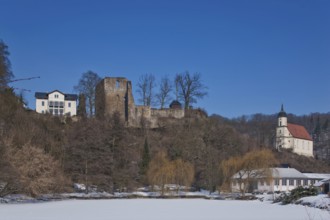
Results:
x,y
114,94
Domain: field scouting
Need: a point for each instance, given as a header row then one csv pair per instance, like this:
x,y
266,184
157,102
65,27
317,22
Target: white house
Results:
x,y
292,136
56,103
283,179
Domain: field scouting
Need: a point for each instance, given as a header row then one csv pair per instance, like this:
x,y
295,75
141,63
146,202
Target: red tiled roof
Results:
x,y
299,131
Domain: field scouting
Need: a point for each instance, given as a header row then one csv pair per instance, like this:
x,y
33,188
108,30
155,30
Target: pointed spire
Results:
x,y
282,113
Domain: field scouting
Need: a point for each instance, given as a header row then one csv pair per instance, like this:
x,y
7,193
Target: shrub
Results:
x,y
298,193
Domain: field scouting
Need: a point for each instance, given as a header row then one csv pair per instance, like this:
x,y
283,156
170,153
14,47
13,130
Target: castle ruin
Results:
x,y
114,94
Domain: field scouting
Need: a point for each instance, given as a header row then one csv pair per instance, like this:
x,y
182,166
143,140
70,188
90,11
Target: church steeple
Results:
x,y
282,117
282,113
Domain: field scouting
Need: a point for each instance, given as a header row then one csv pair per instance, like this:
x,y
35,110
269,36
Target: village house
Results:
x,y
56,103
282,179
292,136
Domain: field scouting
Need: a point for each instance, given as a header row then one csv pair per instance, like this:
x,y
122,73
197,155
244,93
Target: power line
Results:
x,y
22,79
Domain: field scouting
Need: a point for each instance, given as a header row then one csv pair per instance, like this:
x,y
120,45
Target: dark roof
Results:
x,y
41,95
299,131
282,113
71,97
44,95
175,103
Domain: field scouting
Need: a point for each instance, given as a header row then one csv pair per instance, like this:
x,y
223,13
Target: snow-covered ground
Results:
x,y
160,209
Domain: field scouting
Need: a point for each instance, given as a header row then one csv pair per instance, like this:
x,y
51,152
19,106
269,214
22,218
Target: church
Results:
x,y
292,136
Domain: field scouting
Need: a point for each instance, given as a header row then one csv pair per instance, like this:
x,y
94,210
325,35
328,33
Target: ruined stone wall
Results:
x,y
100,99
167,113
114,94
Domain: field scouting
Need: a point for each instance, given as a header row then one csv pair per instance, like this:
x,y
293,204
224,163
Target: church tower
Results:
x,y
282,118
282,130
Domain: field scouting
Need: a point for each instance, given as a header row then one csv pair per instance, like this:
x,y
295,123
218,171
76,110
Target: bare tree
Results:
x,y
252,166
145,86
5,68
86,86
190,88
163,97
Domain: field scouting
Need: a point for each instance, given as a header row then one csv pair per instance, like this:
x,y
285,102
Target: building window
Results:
x,y
43,103
42,111
298,183
69,104
305,182
283,182
117,84
291,182
277,182
56,96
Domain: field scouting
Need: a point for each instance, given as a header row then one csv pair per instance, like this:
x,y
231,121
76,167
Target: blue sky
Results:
x,y
253,55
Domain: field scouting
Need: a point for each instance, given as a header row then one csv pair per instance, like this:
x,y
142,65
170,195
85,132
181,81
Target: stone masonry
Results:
x,y
114,94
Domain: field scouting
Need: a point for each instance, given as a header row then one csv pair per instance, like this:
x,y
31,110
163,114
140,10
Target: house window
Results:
x,y
298,182
51,104
283,182
42,111
43,103
305,182
56,96
69,104
61,111
291,182
117,84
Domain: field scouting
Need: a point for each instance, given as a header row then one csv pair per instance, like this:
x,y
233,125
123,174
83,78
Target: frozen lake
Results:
x,y
158,209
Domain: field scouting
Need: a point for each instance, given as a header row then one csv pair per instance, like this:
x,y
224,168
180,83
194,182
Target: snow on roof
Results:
x,y
287,173
319,176
321,182
299,131
278,173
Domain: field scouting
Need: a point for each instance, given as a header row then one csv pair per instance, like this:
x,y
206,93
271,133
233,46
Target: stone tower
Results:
x,y
114,94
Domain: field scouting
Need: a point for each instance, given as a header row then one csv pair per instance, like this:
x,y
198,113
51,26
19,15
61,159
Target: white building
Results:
x,y
292,136
283,179
56,103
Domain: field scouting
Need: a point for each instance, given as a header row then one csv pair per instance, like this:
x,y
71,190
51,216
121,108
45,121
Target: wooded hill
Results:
x,y
44,154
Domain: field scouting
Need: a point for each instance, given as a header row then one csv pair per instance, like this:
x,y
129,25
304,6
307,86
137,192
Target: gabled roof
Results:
x,y
299,131
44,95
287,173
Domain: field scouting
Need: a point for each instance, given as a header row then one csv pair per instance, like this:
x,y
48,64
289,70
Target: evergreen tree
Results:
x,y
317,128
6,74
325,125
82,105
145,157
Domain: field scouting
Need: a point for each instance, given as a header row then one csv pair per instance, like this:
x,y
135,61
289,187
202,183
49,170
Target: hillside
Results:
x,y
42,154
